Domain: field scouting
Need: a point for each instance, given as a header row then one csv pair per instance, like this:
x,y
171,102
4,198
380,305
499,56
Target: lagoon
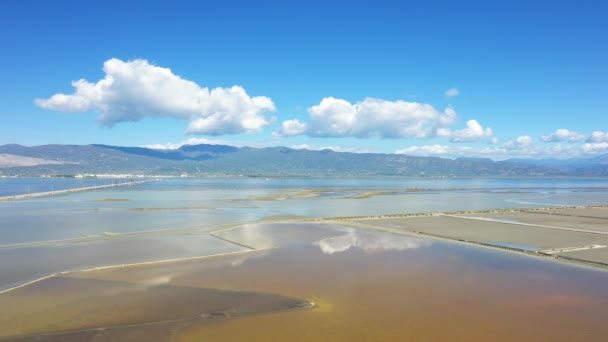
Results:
x,y
257,236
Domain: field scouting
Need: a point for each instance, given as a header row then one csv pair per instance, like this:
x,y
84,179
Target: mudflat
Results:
x,y
72,308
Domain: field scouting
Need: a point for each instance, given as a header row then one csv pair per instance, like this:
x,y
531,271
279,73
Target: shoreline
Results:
x,y
67,191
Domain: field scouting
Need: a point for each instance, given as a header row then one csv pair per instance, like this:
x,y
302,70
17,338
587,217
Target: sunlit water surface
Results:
x,y
367,286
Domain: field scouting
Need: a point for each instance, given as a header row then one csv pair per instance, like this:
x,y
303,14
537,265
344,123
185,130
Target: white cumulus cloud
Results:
x,y
563,134
191,141
133,90
519,143
452,92
370,118
598,137
293,127
473,132
434,150
521,147
198,141
593,148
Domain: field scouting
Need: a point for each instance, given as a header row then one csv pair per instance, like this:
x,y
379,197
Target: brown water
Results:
x,y
79,309
367,286
435,293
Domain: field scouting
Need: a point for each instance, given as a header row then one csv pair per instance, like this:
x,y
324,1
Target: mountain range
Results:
x,y
204,159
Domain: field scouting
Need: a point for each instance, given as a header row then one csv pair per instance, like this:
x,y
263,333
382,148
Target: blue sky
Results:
x,y
445,78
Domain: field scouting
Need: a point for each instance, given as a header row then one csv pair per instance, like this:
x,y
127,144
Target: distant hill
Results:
x,y
595,166
272,161
11,160
601,159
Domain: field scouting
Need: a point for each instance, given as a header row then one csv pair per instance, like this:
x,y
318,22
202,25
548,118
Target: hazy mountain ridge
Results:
x,y
595,166
11,160
277,161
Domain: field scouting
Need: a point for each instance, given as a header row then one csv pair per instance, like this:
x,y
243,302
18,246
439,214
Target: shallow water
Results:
x,y
15,186
44,226
19,186
367,287
21,265
461,228
83,306
240,183
259,236
98,212
438,292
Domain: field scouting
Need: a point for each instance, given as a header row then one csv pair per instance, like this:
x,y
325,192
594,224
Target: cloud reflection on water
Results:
x,y
370,243
163,279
